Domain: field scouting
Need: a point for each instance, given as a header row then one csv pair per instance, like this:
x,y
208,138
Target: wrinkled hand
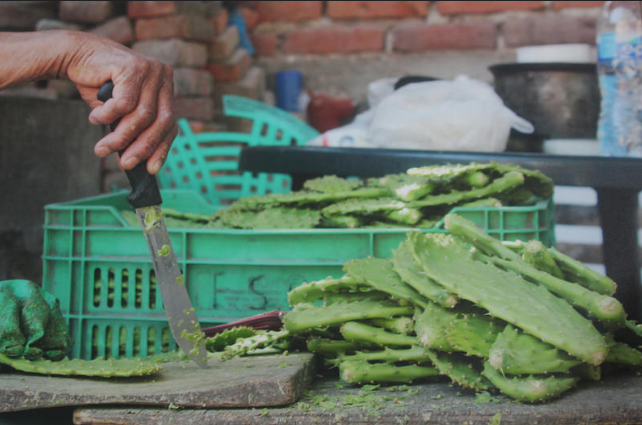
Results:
x,y
31,323
142,97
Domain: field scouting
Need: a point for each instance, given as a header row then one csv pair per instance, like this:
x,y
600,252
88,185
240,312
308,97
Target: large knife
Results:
x,y
145,197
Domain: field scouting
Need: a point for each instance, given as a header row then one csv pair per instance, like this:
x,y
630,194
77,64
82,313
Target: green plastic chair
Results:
x,y
208,162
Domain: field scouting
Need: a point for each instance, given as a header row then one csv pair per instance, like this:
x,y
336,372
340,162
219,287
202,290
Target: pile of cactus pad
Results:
x,y
418,198
517,317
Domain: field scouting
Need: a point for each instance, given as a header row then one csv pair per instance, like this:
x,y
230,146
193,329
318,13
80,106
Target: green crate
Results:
x,y
229,273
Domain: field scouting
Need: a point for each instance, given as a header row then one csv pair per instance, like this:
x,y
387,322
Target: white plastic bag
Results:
x,y
458,115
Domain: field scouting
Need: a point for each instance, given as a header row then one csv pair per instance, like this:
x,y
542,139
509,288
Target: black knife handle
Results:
x,y
145,190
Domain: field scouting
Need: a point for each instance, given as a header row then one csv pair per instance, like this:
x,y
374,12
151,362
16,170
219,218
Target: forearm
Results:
x,y
35,55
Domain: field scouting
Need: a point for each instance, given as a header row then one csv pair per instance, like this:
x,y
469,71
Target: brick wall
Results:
x,y
346,27
332,41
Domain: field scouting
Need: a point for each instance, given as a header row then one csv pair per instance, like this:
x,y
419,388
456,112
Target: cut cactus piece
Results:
x,y
552,319
501,184
577,272
380,274
336,314
254,203
360,332
604,308
342,221
405,187
460,369
221,340
261,340
400,325
470,330
331,184
517,353
390,355
431,327
537,255
317,290
100,368
530,389
408,216
273,218
362,372
363,206
410,272
333,348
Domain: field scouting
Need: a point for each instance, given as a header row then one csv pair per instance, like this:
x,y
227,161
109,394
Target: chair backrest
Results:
x,y
208,162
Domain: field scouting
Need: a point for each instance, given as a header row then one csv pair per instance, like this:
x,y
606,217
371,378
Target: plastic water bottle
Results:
x,y
619,51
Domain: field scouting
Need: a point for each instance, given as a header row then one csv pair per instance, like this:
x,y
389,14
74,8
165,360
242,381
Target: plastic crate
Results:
x,y
208,162
229,273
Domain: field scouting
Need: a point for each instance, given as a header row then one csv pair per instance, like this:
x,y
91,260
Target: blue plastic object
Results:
x,y
236,19
208,162
288,88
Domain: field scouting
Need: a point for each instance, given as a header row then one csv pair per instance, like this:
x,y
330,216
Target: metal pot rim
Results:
x,y
507,68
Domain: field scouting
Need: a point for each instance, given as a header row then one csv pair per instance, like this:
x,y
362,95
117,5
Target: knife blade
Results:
x,y
146,200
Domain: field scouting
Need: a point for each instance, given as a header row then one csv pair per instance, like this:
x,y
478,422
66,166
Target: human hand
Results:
x,y
31,323
142,98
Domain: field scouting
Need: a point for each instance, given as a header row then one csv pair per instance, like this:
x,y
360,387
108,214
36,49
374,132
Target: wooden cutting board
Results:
x,y
242,382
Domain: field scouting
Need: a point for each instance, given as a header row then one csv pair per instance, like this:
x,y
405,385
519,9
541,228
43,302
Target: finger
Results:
x,y
158,158
12,341
131,127
149,140
89,95
125,98
57,341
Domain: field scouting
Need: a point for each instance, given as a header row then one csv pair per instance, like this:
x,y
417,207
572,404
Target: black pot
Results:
x,y
562,100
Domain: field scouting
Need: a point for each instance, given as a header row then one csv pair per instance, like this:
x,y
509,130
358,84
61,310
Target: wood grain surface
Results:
x,y
242,382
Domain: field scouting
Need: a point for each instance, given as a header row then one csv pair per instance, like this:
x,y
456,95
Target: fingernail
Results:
x,y
156,166
130,162
102,151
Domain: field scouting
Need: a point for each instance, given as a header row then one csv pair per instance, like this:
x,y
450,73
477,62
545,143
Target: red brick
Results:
x,y
224,45
376,9
187,27
192,82
559,5
251,17
417,37
117,29
196,108
550,28
288,10
150,9
265,44
87,12
335,39
174,52
233,69
219,22
480,7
